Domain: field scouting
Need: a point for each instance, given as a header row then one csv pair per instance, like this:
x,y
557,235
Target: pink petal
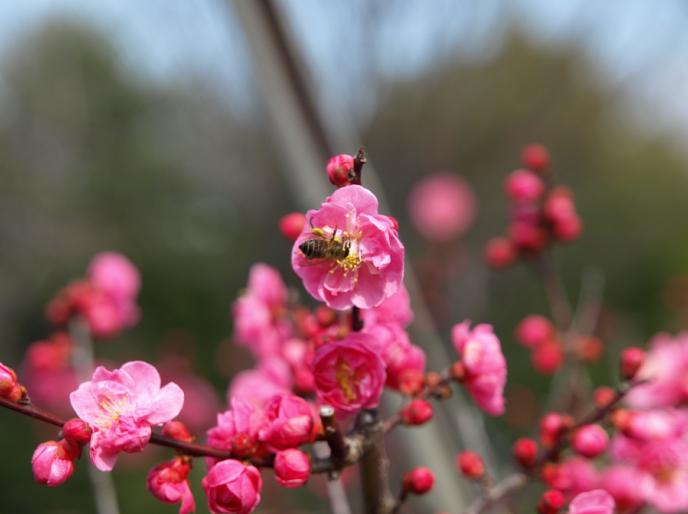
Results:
x,y
167,404
146,380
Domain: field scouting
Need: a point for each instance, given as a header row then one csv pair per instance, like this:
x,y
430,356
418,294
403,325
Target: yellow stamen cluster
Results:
x,y
346,379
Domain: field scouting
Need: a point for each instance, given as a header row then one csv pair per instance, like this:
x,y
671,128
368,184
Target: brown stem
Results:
x,y
554,290
498,493
359,162
333,435
377,496
356,321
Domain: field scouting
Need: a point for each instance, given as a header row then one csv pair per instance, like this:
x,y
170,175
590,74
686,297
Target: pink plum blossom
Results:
x,y
665,368
289,422
237,429
115,275
625,484
292,468
442,206
395,309
232,487
373,269
121,406
402,359
349,375
53,462
575,475
169,483
484,365
257,386
592,502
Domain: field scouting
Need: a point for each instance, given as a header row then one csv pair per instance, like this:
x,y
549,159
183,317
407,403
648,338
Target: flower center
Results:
x,y
111,410
346,379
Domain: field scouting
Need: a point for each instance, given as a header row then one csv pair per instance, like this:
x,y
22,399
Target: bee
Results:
x,y
322,247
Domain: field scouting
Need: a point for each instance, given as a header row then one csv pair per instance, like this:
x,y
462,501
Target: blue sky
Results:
x,y
640,46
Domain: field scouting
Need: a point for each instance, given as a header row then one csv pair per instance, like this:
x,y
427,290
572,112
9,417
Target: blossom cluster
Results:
x,y
539,213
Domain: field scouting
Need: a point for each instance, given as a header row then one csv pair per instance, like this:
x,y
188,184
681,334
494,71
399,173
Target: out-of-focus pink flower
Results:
x,y
373,268
625,484
590,440
592,502
484,365
292,468
255,386
237,429
291,225
534,330
338,168
169,483
121,406
289,422
524,186
115,275
548,357
575,475
657,424
442,206
53,462
52,354
258,314
349,376
404,361
232,487
665,368
395,309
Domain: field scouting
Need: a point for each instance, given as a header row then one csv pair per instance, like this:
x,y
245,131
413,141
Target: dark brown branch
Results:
x,y
333,435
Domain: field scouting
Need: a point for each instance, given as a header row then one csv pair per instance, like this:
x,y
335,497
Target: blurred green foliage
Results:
x,y
93,158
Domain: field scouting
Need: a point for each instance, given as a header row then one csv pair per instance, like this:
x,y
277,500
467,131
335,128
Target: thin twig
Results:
x,y
498,493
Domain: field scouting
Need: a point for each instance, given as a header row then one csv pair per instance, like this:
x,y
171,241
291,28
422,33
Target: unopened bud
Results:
x,y
291,225
470,464
551,502
523,186
339,169
631,360
603,396
590,441
458,371
8,380
77,432
419,480
417,412
177,430
552,426
525,452
535,157
500,252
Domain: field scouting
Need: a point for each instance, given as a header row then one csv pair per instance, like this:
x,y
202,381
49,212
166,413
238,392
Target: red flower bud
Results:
x,y
177,430
551,502
458,371
500,252
8,380
292,468
590,441
603,396
568,229
339,168
525,452
416,412
77,432
470,464
535,157
552,426
419,480
589,349
523,186
291,225
534,330
527,236
547,358
411,382
631,360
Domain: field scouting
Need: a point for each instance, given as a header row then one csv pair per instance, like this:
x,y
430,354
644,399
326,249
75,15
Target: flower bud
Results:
x,y
551,502
339,168
292,468
559,205
470,464
534,330
52,463
419,480
547,358
177,430
8,380
168,482
16,394
631,360
291,225
458,371
523,186
552,426
589,349
568,229
603,396
527,236
411,383
590,441
416,412
77,432
500,252
535,157
622,420
525,452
